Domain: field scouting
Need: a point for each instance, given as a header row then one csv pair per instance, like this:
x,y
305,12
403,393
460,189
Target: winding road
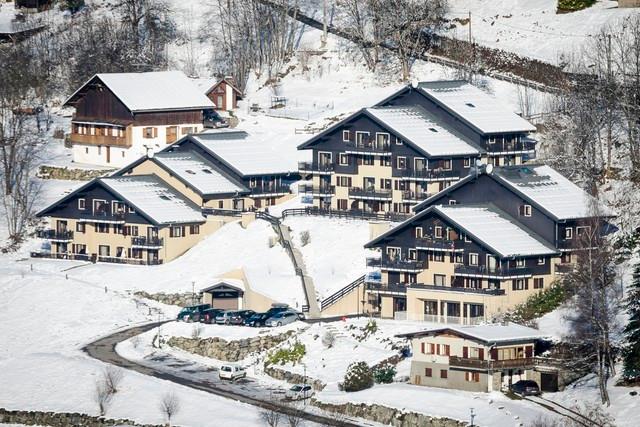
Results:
x,y
104,349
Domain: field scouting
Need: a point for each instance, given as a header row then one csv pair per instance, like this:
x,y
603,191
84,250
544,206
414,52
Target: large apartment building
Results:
x,y
122,116
410,146
483,245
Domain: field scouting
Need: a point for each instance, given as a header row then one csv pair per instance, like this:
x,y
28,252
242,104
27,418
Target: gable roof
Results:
x,y
487,334
540,185
233,284
198,173
151,91
415,125
475,107
486,225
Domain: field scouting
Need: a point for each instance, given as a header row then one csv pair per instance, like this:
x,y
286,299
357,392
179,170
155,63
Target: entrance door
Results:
x,y
549,382
238,204
399,304
152,256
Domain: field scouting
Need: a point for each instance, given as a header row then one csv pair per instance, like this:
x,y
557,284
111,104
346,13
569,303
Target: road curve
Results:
x,y
104,349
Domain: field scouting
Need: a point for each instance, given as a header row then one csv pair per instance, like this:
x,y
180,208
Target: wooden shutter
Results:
x,y
494,353
432,348
526,284
513,284
155,132
528,351
465,352
422,347
349,182
447,350
481,353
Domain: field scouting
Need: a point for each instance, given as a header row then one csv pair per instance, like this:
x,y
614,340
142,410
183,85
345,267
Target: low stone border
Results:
x,y
182,300
62,419
386,415
293,378
228,351
65,173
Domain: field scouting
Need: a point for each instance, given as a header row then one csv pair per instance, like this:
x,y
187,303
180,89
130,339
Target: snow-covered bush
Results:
x,y
358,377
384,374
196,332
305,238
293,354
328,339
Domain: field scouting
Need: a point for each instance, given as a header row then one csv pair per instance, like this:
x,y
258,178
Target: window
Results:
x,y
444,350
466,162
565,257
525,210
443,373
149,132
538,283
82,204
385,161
346,136
413,254
446,164
427,372
104,250
438,256
194,229
117,229
81,227
176,231
102,228
452,202
568,233
401,162
473,259
519,285
342,204
367,160
438,232
472,377
361,137
86,150
520,263
418,232
382,139
187,130
439,280
343,181
118,207
458,258
343,159
583,231
79,249
541,260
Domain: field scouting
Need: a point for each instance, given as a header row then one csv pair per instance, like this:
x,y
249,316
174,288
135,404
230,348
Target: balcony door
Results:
x,y
324,159
152,233
492,263
368,183
61,226
420,164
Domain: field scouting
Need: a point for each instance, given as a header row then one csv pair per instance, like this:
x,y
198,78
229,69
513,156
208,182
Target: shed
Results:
x,y
226,294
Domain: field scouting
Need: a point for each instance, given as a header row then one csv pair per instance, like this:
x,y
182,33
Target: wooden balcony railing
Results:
x,y
483,271
462,362
114,141
65,235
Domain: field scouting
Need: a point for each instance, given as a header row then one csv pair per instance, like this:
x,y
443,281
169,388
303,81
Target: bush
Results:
x,y
328,339
305,238
358,377
293,354
574,5
384,374
539,304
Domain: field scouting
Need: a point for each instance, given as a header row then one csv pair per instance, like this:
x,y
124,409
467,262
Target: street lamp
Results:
x,y
473,415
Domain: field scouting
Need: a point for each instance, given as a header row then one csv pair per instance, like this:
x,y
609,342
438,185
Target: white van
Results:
x,y
231,372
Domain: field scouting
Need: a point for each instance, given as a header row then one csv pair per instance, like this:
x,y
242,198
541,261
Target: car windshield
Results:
x,y
296,388
226,369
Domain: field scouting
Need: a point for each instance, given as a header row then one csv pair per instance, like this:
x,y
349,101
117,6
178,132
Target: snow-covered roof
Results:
x,y
419,127
236,283
198,172
249,155
551,191
152,197
475,107
154,91
204,84
494,228
489,333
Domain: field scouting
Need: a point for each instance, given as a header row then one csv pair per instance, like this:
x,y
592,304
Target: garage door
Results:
x,y
225,303
549,382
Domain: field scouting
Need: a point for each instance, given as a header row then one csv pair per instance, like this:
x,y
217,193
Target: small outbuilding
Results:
x,y
226,294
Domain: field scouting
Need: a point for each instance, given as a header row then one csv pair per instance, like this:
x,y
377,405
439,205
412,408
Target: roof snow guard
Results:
x,y
475,107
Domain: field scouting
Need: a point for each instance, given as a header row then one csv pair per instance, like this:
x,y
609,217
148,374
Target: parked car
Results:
x,y
224,318
282,318
526,388
238,317
231,372
299,391
277,308
209,315
187,313
212,119
257,319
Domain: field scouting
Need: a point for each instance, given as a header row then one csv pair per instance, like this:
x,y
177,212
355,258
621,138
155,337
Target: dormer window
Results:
x,y
207,171
470,105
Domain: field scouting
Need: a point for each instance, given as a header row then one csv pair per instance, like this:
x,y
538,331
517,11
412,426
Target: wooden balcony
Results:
x,y
106,140
462,362
147,242
369,193
495,273
56,235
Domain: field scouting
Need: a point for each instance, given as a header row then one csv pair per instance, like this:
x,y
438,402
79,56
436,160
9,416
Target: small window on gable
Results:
x,y
345,136
466,162
541,260
418,232
82,204
165,197
398,141
438,232
520,262
526,210
568,233
453,202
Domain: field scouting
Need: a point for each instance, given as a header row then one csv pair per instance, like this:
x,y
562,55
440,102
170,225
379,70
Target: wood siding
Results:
x,y
98,103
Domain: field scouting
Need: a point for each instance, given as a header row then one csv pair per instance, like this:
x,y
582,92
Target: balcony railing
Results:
x,y
321,168
430,243
131,261
321,190
103,217
114,141
416,196
369,193
270,189
69,256
65,235
479,291
221,212
368,146
392,264
429,174
462,362
564,268
390,288
483,271
511,147
147,242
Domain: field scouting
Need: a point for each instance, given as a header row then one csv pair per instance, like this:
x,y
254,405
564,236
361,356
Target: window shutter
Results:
x,y
494,353
481,354
170,231
526,284
528,351
447,350
422,347
465,352
513,285
432,348
349,182
359,162
184,233
155,132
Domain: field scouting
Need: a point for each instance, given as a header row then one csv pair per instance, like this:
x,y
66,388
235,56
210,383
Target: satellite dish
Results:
x,y
489,168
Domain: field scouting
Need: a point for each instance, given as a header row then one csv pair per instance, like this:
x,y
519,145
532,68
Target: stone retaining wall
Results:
x,y
292,378
62,419
387,416
181,300
228,351
57,172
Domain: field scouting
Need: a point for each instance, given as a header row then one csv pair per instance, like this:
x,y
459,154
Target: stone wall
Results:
x,y
292,378
62,419
387,416
181,300
228,351
57,172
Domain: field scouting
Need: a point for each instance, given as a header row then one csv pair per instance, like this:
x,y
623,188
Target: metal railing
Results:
x,y
103,216
369,193
415,195
55,234
368,146
434,174
69,256
480,291
222,212
390,288
316,190
131,261
396,264
352,214
147,241
332,299
270,189
564,268
431,243
483,271
309,167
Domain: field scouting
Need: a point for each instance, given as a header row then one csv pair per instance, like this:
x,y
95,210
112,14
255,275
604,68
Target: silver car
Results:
x,y
225,317
282,318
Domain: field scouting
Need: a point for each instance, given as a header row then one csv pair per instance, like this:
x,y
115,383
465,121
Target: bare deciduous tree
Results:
x,y
112,377
270,417
170,405
103,397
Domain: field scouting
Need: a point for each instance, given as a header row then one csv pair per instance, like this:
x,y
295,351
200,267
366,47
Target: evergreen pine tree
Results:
x,y
631,367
